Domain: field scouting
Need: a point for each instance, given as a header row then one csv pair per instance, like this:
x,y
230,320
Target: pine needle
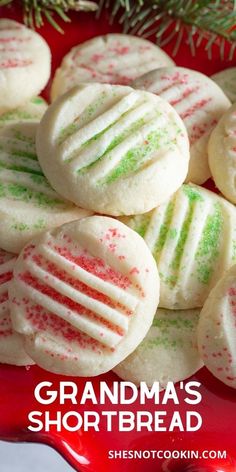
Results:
x,y
34,11
213,21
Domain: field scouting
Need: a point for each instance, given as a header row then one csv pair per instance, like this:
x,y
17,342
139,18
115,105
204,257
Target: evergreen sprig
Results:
x,y
193,20
213,21
35,11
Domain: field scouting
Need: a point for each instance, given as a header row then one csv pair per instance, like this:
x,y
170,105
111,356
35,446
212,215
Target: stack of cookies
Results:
x,y
113,256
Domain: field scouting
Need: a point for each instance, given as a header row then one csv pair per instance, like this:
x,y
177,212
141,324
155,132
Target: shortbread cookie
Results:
x,y
222,154
168,353
30,111
113,149
25,64
192,237
199,102
28,204
11,343
112,59
217,330
84,296
226,79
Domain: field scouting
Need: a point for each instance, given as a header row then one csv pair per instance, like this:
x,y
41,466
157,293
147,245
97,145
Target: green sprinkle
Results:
x,y
19,169
15,115
95,138
11,147
38,101
192,193
164,230
25,194
75,126
160,341
172,233
19,226
170,322
171,279
40,180
135,157
170,327
19,153
92,108
67,132
141,224
26,139
72,128
115,142
40,224
183,237
209,246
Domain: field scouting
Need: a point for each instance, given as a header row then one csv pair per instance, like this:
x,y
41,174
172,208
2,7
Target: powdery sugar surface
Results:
x,y
226,81
169,351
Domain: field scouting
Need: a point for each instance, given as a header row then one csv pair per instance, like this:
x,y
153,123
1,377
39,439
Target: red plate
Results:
x,y
89,451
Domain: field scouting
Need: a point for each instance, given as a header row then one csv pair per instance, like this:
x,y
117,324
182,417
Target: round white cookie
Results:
x,y
222,154
168,353
30,111
192,237
217,329
28,204
226,79
199,102
84,296
11,343
113,149
25,64
113,59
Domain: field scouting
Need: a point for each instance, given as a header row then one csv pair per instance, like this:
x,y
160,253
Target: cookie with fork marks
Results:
x,y
113,149
33,110
199,102
192,237
112,59
84,295
28,204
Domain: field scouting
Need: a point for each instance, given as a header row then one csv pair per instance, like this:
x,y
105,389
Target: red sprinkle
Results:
x,y
95,266
5,277
62,275
79,309
11,63
197,106
45,321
